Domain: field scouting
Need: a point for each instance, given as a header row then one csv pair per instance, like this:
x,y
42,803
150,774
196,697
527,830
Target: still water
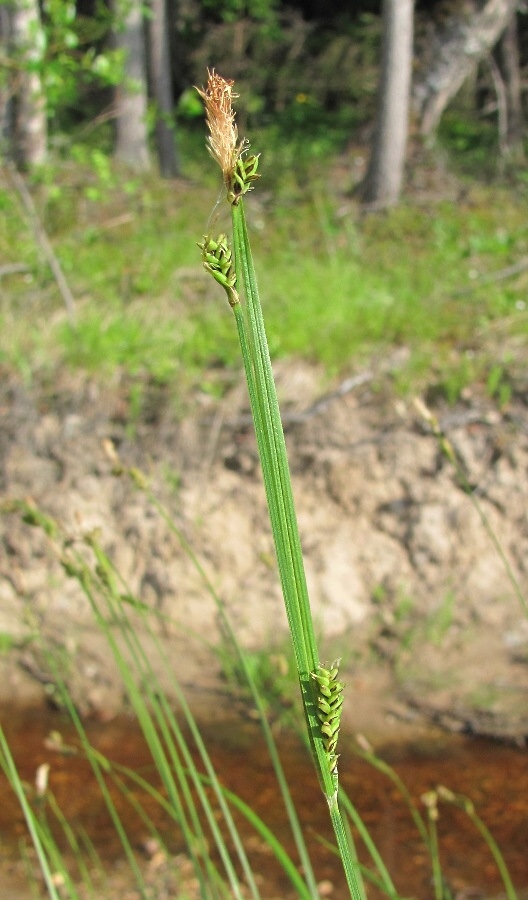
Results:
x,y
495,777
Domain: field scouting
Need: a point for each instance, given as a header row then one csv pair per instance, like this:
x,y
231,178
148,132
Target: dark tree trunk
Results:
x,y
384,178
466,39
508,62
161,88
6,100
131,96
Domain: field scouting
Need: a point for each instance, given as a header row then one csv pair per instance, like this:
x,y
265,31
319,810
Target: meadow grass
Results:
x,y
409,278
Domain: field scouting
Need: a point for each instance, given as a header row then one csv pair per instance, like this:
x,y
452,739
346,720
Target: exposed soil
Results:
x,y
406,583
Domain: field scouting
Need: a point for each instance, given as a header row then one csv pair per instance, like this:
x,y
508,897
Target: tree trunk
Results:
x,y
131,96
161,87
6,105
29,131
510,71
384,178
467,38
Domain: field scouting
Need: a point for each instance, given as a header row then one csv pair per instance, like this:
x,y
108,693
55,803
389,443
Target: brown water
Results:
x,y
495,778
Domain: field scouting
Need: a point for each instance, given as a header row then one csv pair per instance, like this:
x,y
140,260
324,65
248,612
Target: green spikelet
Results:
x,y
328,699
217,259
242,177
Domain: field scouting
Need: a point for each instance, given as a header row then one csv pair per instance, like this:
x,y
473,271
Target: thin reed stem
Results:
x,y
321,691
466,804
8,766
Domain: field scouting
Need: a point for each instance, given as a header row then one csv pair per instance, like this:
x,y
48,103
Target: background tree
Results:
x,y
24,117
466,38
383,182
131,94
507,57
161,88
5,94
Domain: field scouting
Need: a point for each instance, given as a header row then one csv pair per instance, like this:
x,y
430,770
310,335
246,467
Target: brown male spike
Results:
x,y
223,143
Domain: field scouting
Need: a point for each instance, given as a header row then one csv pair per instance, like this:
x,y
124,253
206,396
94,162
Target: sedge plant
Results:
x,y
321,689
197,805
122,619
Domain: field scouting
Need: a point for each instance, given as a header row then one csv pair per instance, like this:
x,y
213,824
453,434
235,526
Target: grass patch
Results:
x,y
409,278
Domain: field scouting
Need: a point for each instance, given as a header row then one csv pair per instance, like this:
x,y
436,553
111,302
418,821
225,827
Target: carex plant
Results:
x,y
232,267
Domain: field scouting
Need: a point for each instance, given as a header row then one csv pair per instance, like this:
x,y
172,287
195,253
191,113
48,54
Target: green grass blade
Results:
x,y
99,773
385,880
170,731
9,768
466,804
275,470
274,457
272,842
277,481
73,842
390,773
268,735
346,851
143,692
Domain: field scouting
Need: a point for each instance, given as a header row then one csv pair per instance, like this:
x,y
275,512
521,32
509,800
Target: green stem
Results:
x,y
277,482
496,853
348,855
261,364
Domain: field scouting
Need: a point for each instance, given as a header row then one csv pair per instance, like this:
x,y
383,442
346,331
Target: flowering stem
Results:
x,y
277,481
320,689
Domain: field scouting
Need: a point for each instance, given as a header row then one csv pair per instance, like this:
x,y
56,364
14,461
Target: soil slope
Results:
x,y
406,583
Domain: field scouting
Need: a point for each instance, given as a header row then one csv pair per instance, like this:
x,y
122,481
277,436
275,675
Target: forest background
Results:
x,y
299,64
358,103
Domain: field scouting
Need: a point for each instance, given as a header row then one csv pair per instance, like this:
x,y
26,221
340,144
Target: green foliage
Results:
x,y
103,175
471,142
7,642
498,384
189,105
410,278
72,55
178,754
262,11
295,71
440,620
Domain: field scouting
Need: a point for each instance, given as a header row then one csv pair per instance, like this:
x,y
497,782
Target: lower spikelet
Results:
x,y
328,703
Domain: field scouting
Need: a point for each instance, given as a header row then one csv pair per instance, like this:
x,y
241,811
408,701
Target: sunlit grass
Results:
x,y
409,278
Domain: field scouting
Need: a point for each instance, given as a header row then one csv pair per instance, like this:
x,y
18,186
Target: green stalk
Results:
x,y
320,690
257,699
277,481
8,766
385,881
466,804
430,800
164,736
